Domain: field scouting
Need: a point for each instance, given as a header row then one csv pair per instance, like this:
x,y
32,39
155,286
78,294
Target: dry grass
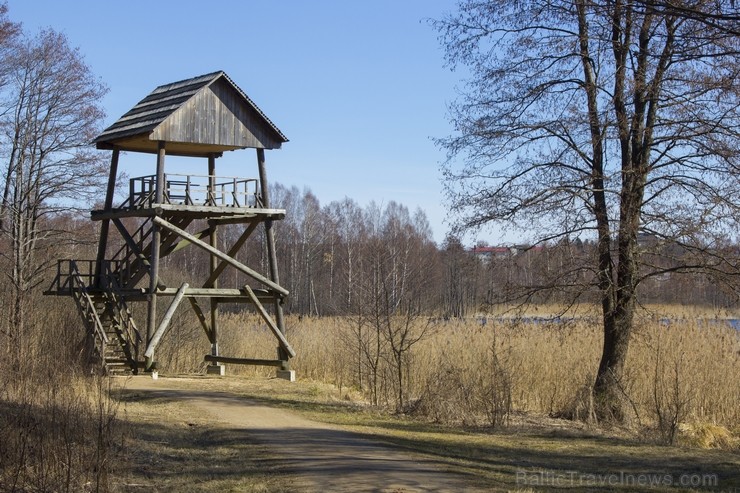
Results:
x,y
56,434
58,427
539,454
679,374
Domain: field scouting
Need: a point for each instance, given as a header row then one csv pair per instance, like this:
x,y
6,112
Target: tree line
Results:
x,y
331,257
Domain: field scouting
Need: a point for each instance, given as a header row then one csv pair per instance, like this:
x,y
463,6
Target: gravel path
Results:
x,y
316,456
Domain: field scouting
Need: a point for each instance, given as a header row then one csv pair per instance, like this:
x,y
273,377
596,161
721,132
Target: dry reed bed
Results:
x,y
474,373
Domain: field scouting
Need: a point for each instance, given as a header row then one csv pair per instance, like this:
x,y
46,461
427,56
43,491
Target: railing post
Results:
x,y
132,192
188,200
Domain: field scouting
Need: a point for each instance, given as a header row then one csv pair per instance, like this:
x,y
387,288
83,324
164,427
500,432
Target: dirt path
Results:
x,y
317,457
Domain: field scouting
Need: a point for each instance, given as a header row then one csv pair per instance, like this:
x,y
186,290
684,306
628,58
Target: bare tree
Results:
x,y
52,113
460,282
605,120
405,301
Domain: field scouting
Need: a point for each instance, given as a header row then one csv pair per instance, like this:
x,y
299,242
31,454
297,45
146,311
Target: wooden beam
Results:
x,y
105,225
266,317
233,220
242,361
203,212
224,295
149,353
233,262
201,317
218,293
231,253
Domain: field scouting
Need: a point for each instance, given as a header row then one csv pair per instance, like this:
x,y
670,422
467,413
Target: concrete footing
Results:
x,y
288,375
216,370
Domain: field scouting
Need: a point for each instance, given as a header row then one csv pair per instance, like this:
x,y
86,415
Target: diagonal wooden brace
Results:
x,y
266,316
149,353
131,242
184,243
218,253
135,248
231,253
202,318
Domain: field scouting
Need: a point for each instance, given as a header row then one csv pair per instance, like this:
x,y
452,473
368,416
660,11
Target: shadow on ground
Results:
x,y
294,454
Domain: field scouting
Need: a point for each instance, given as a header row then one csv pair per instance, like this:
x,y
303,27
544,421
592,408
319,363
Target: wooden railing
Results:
x,y
88,310
75,274
128,333
71,274
195,190
77,278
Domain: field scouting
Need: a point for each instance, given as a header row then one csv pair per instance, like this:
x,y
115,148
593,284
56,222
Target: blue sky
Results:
x,y
359,88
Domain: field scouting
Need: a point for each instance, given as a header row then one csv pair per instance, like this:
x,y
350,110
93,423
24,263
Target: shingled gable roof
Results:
x,y
199,116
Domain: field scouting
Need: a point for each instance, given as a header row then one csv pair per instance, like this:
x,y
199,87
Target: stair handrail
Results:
x,y
89,306
87,309
123,255
128,329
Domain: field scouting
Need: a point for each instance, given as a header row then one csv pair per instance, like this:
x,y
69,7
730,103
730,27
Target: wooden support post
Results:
x,y
272,255
149,353
214,259
105,224
154,258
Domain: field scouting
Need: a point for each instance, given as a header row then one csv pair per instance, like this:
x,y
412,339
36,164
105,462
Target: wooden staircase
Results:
x,y
130,264
116,341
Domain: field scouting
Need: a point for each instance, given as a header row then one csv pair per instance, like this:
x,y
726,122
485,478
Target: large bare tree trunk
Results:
x,y
599,120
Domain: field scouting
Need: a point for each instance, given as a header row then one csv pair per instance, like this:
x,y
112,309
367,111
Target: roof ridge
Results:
x,y
167,99
250,101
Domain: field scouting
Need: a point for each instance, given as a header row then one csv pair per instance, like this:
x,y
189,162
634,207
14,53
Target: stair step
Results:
x,y
116,361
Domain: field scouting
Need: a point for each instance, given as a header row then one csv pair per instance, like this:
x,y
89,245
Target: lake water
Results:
x,y
732,322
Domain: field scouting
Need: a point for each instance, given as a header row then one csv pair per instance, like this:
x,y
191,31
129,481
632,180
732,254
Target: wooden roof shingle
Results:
x,y
196,117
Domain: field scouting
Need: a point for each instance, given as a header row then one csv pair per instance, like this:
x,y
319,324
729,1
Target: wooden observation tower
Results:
x,y
165,212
